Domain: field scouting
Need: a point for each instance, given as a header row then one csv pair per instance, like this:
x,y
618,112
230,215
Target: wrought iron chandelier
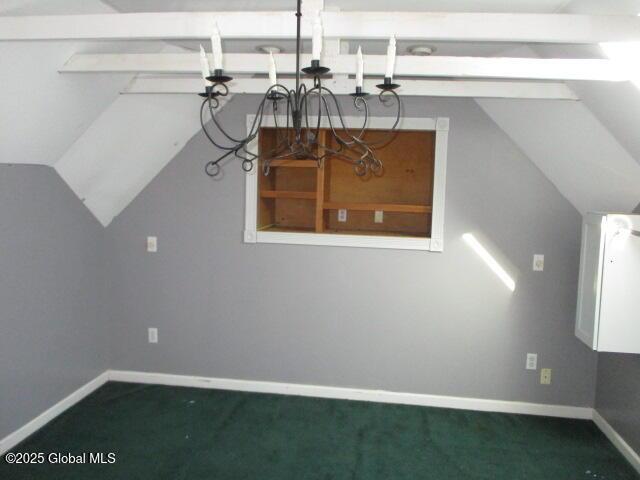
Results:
x,y
305,107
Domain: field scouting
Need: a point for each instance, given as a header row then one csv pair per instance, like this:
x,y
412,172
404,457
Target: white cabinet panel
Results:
x,y
608,312
592,253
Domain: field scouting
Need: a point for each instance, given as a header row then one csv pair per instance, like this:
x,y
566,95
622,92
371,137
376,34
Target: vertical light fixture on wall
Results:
x,y
491,262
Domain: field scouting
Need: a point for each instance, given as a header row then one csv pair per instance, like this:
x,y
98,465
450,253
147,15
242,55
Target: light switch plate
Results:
x,y
378,217
538,263
545,376
532,361
152,244
342,215
153,335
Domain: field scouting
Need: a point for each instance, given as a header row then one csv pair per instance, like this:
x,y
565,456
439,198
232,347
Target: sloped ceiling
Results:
x,y
573,149
589,150
616,105
44,112
107,147
125,148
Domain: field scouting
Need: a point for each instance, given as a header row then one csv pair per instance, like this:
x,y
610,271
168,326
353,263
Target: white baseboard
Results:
x,y
342,393
614,437
11,440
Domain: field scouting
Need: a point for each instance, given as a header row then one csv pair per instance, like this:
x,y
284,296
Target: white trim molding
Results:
x,y
435,243
614,437
416,26
13,439
342,393
344,64
154,84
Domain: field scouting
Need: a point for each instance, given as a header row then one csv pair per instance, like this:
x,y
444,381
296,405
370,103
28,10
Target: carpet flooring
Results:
x,y
160,432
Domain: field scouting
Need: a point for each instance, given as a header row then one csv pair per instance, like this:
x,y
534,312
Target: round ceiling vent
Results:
x,y
421,50
269,49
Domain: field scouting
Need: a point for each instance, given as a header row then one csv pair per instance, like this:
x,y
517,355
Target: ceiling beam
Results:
x,y
454,67
430,88
471,27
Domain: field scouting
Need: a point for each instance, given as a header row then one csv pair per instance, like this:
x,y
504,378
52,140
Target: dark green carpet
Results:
x,y
176,433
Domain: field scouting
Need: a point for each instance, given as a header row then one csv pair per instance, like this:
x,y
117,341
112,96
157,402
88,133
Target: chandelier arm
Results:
x,y
390,133
291,101
206,132
317,132
337,136
359,166
281,140
316,88
311,134
341,117
365,105
247,158
215,163
222,130
253,130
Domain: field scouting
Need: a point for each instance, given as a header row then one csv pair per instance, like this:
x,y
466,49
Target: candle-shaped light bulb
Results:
x,y
317,38
204,66
216,47
391,57
359,68
273,79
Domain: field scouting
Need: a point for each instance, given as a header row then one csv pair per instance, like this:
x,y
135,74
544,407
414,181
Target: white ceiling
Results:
x,y
53,7
517,6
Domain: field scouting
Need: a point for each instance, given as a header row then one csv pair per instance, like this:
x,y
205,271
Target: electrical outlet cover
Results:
x,y
532,361
153,335
378,217
545,376
342,215
538,263
152,244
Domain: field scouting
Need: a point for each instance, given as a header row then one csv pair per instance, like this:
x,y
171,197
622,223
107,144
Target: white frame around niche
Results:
x,y
434,244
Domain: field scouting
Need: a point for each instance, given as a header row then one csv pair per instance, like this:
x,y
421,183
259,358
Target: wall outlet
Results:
x,y
538,263
532,361
545,376
153,335
378,217
342,215
152,244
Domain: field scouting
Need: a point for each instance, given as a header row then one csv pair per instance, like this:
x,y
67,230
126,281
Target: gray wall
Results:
x,y
618,393
396,320
53,337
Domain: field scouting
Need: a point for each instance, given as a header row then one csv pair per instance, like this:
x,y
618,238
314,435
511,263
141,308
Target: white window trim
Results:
x,y
434,244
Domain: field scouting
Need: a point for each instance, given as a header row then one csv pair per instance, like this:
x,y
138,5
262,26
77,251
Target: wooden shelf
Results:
x,y
287,194
298,195
294,163
377,233
369,207
276,228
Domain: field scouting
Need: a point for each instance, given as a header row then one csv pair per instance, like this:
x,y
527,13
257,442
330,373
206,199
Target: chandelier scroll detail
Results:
x,y
304,108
